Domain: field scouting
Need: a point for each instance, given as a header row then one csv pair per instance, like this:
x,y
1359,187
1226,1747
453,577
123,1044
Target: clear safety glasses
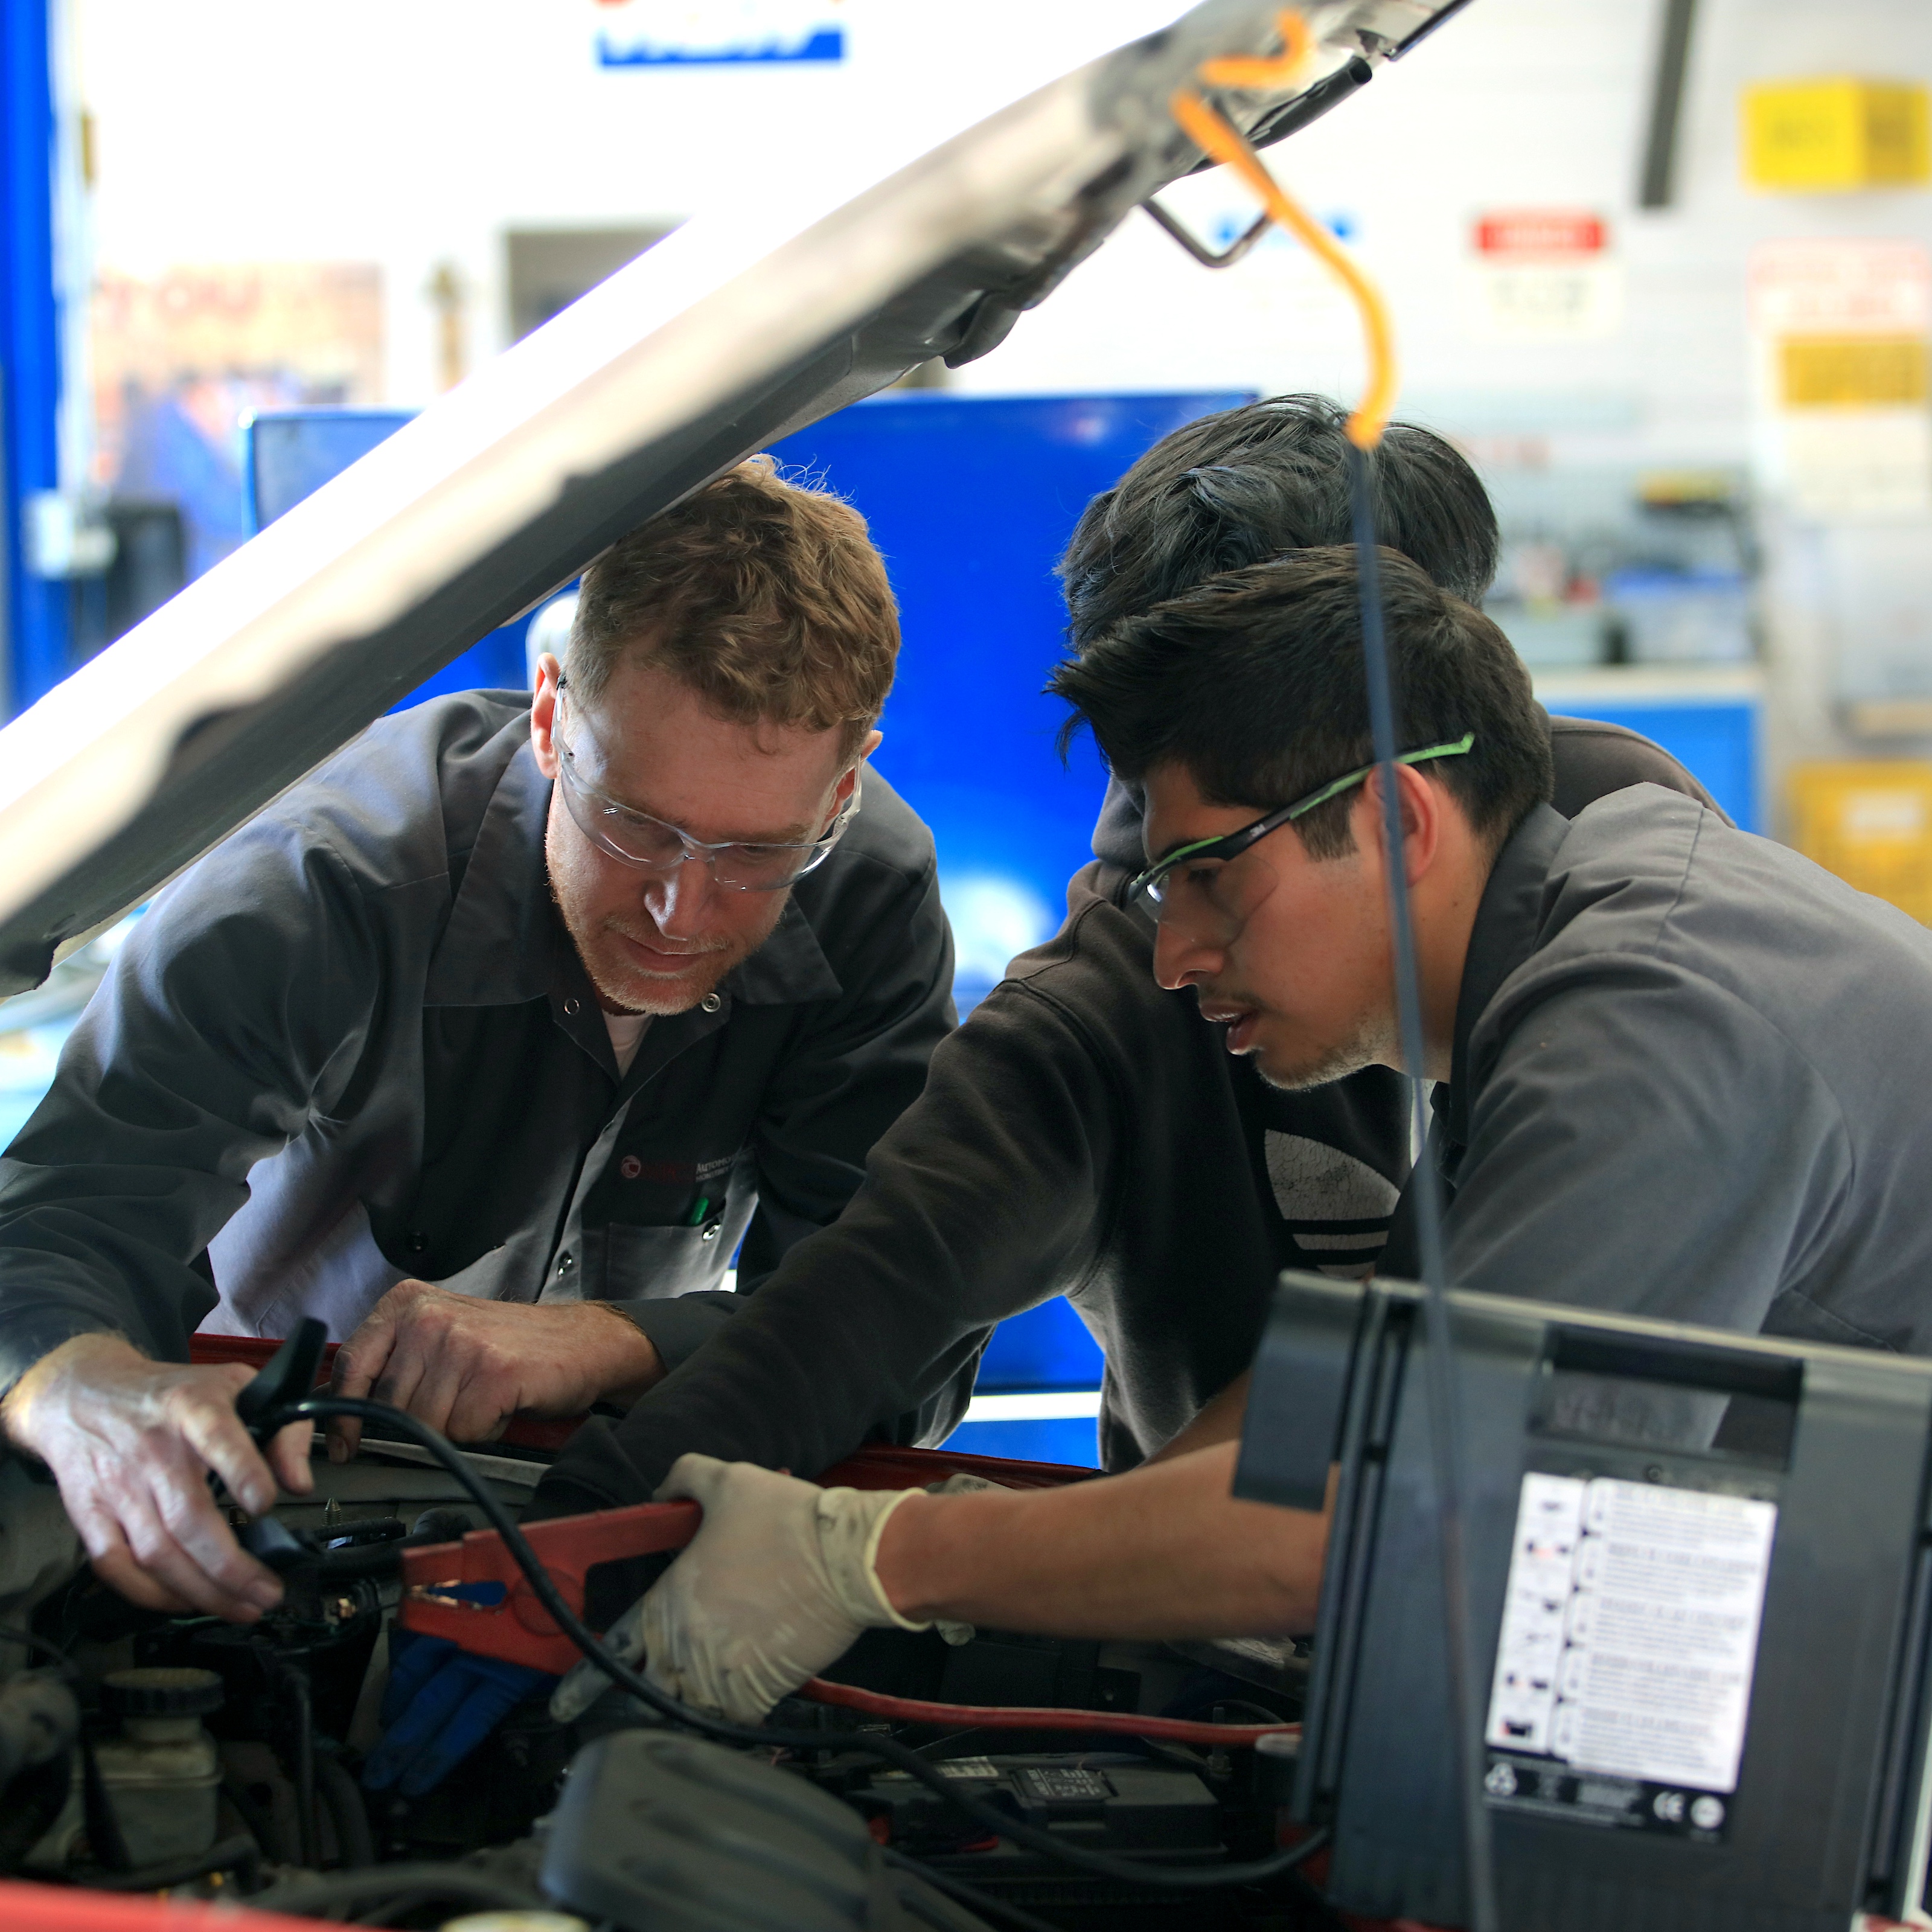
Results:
x,y
1198,885
635,838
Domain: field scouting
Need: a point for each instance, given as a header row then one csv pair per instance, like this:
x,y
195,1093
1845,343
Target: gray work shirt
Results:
x,y
1689,1082
354,1043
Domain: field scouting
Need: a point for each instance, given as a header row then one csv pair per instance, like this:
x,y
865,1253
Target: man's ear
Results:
x,y
1423,803
543,714
850,776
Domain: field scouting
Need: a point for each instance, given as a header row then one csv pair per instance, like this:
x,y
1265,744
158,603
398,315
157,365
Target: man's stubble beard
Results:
x,y
629,993
639,994
1370,1046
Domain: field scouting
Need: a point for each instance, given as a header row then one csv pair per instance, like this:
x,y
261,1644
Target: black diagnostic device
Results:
x,y
1700,1579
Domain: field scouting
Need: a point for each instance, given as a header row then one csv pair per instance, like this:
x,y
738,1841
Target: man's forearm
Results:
x,y
1165,1552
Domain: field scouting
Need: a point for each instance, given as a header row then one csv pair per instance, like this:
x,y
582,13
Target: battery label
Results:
x,y
1629,1637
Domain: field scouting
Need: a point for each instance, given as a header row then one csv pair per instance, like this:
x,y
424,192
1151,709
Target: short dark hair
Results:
x,y
1254,682
1238,487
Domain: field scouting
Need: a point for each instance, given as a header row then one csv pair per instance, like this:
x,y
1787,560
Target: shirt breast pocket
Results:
x,y
652,1263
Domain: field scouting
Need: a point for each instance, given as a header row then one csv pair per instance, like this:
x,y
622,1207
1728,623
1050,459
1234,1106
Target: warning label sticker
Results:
x,y
1629,1637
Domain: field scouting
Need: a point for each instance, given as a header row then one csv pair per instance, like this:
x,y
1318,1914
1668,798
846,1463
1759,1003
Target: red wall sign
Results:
x,y
1541,231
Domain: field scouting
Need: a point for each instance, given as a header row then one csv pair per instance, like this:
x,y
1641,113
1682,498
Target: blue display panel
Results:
x,y
1064,1439
1047,1347
293,453
972,499
1716,741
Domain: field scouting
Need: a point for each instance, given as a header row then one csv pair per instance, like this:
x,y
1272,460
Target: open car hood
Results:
x,y
733,331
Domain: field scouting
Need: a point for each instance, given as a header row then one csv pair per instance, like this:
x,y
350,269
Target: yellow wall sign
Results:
x,y
1841,347
1871,824
1853,371
1816,136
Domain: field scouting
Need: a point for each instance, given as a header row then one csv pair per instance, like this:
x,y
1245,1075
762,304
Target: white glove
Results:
x,y
778,1582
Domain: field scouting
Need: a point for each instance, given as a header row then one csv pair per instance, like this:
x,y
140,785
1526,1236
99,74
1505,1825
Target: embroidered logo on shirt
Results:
x,y
676,1173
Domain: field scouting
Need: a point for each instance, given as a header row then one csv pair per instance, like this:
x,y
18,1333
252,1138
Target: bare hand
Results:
x,y
466,1366
131,1442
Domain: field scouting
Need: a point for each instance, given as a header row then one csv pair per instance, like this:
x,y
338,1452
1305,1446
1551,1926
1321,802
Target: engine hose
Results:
x,y
902,1757
355,1844
296,1688
1041,1718
309,1897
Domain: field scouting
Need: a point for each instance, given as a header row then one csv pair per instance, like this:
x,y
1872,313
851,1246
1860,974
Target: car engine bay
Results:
x,y
1007,1779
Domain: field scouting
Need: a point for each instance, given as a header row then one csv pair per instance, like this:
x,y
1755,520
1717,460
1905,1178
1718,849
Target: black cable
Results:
x,y
1260,1713
951,1737
901,1757
295,1687
967,1894
1445,1422
391,1910
1420,33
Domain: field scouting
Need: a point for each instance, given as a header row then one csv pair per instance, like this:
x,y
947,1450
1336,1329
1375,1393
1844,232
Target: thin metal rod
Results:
x,y
1444,1416
1428,27
1198,249
1667,104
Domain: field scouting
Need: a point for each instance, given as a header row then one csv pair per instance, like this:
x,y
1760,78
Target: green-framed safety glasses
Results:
x,y
1153,884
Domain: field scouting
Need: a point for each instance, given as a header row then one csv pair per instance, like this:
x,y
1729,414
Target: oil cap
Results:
x,y
160,1690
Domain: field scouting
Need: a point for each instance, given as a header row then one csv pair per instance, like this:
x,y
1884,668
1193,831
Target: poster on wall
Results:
x,y
1541,275
181,359
720,33
1841,335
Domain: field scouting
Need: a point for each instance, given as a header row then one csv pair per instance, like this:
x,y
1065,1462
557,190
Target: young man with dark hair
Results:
x,y
1682,1070
488,1044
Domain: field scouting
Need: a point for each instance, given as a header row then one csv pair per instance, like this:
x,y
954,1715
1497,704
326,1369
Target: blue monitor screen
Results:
x,y
972,500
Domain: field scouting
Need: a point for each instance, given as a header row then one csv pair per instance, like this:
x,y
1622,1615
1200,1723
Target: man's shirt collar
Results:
x,y
791,966
1508,920
499,945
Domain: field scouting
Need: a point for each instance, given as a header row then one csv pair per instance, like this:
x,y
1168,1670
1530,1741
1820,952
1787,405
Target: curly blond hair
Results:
x,y
766,599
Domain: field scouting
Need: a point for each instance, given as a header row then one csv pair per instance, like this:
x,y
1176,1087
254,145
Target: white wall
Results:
x,y
409,132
